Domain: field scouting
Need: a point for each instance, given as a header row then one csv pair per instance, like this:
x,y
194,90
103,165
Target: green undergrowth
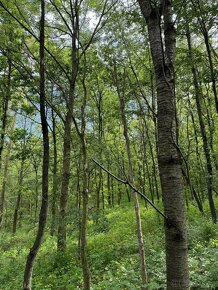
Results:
x,y
113,254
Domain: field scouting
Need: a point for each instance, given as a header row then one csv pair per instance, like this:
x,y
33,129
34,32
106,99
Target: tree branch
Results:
x,y
132,187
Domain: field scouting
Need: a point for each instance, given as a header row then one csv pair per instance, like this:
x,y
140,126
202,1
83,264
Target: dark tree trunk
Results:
x,y
5,109
85,192
55,184
27,282
99,101
169,159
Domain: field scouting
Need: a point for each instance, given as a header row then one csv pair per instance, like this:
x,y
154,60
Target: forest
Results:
x,y
108,144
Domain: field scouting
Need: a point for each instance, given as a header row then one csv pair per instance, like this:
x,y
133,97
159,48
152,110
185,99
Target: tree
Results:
x,y
169,157
198,95
121,92
27,282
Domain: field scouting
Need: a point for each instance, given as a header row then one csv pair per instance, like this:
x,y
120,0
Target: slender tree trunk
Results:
x,y
5,175
27,282
108,186
119,198
55,184
85,193
83,244
169,159
211,127
99,98
198,94
17,205
193,191
62,232
198,157
102,193
209,55
152,157
78,206
131,179
36,192
5,109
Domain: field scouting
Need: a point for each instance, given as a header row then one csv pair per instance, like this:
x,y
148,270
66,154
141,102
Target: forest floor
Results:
x,y
113,254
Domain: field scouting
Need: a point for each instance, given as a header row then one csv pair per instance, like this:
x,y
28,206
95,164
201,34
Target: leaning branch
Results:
x,y
132,187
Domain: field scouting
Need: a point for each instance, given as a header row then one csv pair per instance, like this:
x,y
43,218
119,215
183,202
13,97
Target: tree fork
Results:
x,y
163,47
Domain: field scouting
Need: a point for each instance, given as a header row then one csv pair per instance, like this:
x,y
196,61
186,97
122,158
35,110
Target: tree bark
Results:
x,y
169,159
27,282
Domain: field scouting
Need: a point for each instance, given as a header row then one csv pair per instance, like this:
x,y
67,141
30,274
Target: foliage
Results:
x,y
113,255
119,43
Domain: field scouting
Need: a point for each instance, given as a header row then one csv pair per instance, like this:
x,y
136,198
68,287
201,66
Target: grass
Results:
x,y
113,254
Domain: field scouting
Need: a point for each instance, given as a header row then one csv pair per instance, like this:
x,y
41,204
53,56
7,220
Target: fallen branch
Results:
x,y
132,187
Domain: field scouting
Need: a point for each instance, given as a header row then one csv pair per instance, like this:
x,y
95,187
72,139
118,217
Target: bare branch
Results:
x,y
132,187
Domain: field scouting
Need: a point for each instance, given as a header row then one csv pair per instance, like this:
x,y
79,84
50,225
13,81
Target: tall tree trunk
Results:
x,y
131,180
5,175
169,159
83,243
5,109
85,192
198,94
99,100
27,282
62,233
78,205
55,184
